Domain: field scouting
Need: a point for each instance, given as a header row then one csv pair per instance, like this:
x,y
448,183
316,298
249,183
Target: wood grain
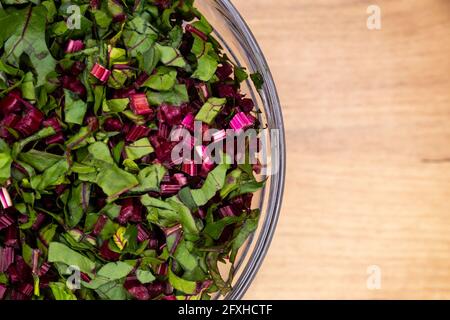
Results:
x,y
367,117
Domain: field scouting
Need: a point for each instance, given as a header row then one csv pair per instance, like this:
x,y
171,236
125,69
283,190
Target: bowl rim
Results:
x,y
263,242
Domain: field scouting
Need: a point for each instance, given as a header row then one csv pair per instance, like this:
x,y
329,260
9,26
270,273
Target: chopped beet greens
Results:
x,y
88,183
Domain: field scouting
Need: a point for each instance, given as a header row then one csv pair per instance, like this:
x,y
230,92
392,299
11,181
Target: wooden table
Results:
x,y
367,118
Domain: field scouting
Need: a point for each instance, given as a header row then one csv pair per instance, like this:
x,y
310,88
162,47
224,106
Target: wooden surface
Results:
x,y
367,117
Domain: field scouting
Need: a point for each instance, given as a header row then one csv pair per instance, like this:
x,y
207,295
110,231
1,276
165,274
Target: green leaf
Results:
x,y
130,236
39,160
185,216
212,263
150,178
10,21
169,213
9,70
116,105
148,201
78,203
185,195
119,238
115,8
163,79
109,272
203,25
134,117
130,165
32,215
27,87
59,29
213,183
215,229
148,60
247,187
139,149
20,176
47,233
177,96
118,78
27,37
61,291
165,22
176,36
115,270
27,254
112,210
3,278
75,239
59,252
100,152
242,234
74,108
117,151
232,182
102,19
51,9
99,94
258,80
210,110
170,56
113,290
115,181
240,74
184,257
207,67
108,230
188,287
139,36
160,212
79,139
145,276
240,182
42,134
51,177
207,62
5,162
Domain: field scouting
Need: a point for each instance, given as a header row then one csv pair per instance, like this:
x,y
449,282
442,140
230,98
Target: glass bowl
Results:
x,y
240,45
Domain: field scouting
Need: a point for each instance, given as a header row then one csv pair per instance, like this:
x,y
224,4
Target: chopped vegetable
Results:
x,y
100,72
91,188
140,105
74,46
5,198
241,121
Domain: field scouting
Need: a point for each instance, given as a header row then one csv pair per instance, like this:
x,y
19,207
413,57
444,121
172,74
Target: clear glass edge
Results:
x,y
262,243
